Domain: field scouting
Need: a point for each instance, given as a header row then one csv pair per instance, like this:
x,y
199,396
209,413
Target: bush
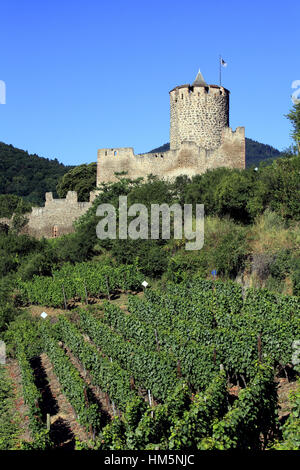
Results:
x,y
40,264
149,256
281,265
225,246
8,310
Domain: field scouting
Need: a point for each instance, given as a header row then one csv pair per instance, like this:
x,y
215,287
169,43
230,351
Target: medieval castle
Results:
x,y
200,139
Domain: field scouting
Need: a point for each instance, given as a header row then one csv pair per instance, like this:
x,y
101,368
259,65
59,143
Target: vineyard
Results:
x,y
79,282
160,374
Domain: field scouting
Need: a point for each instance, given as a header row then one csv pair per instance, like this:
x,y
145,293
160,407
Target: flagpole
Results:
x,y
220,70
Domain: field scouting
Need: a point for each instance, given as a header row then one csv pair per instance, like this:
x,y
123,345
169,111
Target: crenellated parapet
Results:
x,y
200,138
58,215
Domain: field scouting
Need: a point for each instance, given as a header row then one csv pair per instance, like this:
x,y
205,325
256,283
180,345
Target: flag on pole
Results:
x,y
223,63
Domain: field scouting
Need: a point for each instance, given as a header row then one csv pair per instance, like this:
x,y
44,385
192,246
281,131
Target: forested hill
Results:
x,y
28,175
255,152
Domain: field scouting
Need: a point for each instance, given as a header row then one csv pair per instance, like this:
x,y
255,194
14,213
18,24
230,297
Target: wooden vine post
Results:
x,y
87,405
156,338
179,374
65,299
215,355
86,296
48,422
259,348
132,384
107,287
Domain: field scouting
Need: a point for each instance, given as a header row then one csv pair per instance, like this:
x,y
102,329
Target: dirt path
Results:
x,y
284,390
64,426
120,300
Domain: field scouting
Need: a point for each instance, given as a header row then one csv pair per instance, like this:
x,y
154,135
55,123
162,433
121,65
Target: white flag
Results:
x,y
223,63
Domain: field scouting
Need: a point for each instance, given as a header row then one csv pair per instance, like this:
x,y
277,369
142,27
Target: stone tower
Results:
x,y
198,113
200,139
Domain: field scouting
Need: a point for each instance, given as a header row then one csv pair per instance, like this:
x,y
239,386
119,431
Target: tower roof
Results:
x,y
199,80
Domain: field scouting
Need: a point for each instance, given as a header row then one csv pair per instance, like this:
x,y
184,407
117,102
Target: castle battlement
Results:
x,y
200,138
57,216
198,90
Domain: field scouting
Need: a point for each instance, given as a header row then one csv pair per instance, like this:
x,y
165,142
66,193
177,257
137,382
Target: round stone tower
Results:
x,y
198,113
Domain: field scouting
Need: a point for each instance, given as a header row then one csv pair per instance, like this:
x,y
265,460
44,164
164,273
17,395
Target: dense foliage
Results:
x,y
26,175
11,203
82,179
104,373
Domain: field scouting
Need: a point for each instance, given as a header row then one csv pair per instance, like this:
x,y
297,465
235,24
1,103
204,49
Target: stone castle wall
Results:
x,y
190,159
198,114
57,216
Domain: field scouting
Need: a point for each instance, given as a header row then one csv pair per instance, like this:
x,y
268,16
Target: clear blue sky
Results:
x,y
83,75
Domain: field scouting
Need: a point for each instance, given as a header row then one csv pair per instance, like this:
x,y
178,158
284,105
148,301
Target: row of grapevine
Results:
x,y
23,336
197,422
72,385
178,423
196,361
291,428
252,417
80,281
106,375
9,432
151,370
266,331
32,396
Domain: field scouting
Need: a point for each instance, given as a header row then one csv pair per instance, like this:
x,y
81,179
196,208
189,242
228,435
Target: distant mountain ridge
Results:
x,y
256,152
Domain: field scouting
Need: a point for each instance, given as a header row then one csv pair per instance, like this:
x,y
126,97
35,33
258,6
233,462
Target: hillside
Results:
x,y
27,175
256,152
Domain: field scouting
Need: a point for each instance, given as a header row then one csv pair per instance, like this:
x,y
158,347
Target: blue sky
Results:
x,y
83,75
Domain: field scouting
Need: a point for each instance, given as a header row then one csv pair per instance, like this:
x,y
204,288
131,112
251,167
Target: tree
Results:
x,y
18,222
294,117
10,203
82,179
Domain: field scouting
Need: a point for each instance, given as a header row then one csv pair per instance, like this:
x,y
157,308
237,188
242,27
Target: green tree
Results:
x,y
278,188
19,221
8,311
9,203
82,179
294,117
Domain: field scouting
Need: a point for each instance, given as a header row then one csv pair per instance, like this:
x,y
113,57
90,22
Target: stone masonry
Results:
x,y
200,138
58,215
198,114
